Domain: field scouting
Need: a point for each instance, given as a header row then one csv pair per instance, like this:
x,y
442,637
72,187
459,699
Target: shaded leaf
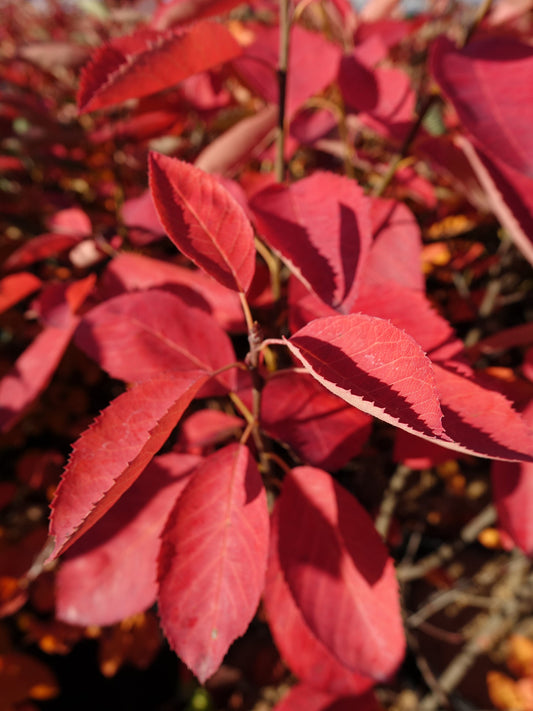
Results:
x,y
302,697
111,572
207,428
305,655
322,430
137,336
204,221
321,227
16,287
213,559
339,573
148,61
115,449
485,83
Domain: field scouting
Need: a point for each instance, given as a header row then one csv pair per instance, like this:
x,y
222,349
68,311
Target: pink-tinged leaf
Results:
x,y
485,83
321,227
303,697
509,193
16,287
306,657
132,272
213,559
180,11
257,67
417,453
512,489
206,428
412,312
114,451
373,366
71,221
140,216
396,252
150,61
111,573
482,421
322,430
235,145
204,221
137,336
339,573
31,373
51,55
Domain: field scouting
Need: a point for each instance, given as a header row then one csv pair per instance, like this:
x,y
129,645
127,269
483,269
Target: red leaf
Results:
x,y
206,428
137,336
140,215
38,248
482,421
322,430
179,11
305,698
258,65
16,287
485,83
512,489
321,227
306,657
115,449
374,366
204,221
339,573
132,272
149,61
111,573
213,559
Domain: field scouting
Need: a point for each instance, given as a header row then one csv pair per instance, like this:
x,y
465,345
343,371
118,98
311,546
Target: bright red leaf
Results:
x,y
213,559
485,83
321,227
322,430
339,573
306,657
140,335
16,287
374,366
150,61
207,428
111,572
204,221
115,449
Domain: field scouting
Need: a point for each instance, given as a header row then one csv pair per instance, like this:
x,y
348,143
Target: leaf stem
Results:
x,y
283,63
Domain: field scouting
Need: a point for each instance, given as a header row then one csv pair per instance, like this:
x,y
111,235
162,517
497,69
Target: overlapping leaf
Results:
x,y
339,573
16,287
150,61
204,221
303,697
111,572
213,559
485,83
113,452
321,227
137,336
305,655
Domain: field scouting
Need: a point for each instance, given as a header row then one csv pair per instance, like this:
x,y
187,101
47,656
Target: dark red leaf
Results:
x,y
324,431
113,452
306,657
512,490
206,428
321,227
204,221
374,366
111,573
305,698
39,248
339,573
213,559
137,336
485,83
16,287
150,61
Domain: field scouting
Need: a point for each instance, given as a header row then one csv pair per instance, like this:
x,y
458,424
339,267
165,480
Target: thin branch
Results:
x,y
283,64
390,499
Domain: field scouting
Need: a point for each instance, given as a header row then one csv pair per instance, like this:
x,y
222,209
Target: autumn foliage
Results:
x,y
270,323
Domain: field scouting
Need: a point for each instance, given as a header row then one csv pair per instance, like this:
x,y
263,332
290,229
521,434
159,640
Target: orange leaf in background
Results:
x,y
503,692
520,656
22,677
136,640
